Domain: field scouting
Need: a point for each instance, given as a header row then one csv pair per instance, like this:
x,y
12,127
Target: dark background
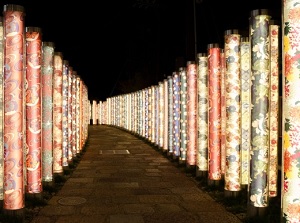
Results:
x,y
122,46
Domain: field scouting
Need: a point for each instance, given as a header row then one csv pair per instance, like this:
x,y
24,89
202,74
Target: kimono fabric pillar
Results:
x,y
14,108
150,114
73,89
259,157
274,108
245,53
191,114
70,114
183,115
33,112
156,112
1,110
233,113
291,110
146,123
176,115
57,114
202,142
166,112
170,115
161,115
47,112
214,115
65,130
78,118
223,111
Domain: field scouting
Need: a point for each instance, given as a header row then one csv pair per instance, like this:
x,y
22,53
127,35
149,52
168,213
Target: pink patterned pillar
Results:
x,y
191,114
1,108
57,113
14,144
33,111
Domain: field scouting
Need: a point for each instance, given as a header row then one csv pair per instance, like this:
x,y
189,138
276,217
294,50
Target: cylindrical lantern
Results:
x,y
233,110
260,70
274,107
214,112
57,113
1,107
183,114
33,110
13,133
245,108
47,110
176,115
291,110
191,113
202,143
65,100
170,115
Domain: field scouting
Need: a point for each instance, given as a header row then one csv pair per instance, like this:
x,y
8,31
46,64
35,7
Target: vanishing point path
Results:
x,y
121,178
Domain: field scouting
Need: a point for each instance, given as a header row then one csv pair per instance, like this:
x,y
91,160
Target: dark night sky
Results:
x,y
109,43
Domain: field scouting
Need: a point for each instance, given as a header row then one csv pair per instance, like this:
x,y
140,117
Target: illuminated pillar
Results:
x,y
78,149
214,114
259,150
191,113
33,111
170,115
202,143
245,108
74,124
146,121
13,133
70,114
1,107
183,115
160,92
176,115
94,112
223,111
65,130
274,108
290,197
57,113
166,109
233,112
47,111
